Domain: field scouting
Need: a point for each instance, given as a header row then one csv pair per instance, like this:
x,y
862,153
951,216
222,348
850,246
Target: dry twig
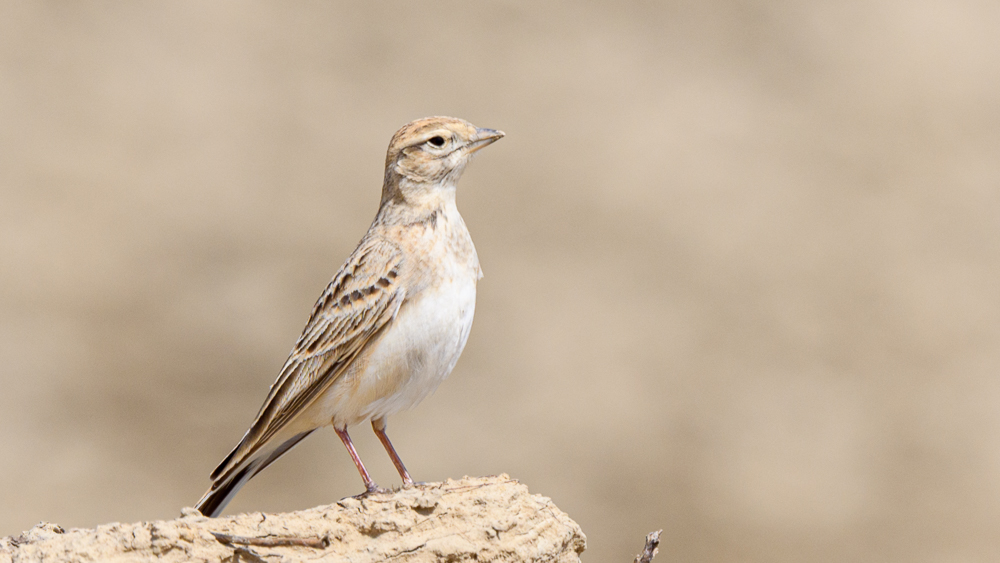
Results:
x,y
272,541
652,546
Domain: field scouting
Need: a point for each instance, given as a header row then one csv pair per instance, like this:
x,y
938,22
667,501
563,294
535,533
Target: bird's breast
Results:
x,y
420,349
413,354
417,350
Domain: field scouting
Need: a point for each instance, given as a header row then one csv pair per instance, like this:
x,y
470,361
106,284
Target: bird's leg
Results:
x,y
378,425
370,486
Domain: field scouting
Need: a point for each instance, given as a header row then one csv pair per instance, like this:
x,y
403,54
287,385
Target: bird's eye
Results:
x,y
437,141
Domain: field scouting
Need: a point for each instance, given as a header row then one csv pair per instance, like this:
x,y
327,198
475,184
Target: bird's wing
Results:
x,y
359,302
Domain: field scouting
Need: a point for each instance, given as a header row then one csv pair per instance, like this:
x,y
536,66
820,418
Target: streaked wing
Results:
x,y
360,301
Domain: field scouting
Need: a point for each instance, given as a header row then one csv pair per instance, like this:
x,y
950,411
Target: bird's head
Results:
x,y
430,154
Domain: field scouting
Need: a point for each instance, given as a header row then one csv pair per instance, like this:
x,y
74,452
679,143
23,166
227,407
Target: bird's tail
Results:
x,y
225,486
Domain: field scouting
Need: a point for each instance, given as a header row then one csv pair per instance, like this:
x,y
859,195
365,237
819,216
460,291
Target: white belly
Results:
x,y
409,360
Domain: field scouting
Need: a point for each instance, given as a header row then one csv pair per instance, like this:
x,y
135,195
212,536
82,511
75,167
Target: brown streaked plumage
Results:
x,y
390,325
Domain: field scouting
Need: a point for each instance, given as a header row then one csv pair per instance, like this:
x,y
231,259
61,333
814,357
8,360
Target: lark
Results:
x,y
391,324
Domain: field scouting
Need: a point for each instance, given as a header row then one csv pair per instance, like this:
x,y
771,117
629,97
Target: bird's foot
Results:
x,y
373,489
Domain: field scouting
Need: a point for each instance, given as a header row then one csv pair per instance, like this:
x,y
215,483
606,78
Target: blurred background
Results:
x,y
741,260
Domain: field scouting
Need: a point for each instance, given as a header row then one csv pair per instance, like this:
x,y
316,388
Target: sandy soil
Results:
x,y
488,519
741,260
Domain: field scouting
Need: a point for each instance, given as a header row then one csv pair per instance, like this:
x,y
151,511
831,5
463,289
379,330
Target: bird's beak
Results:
x,y
484,137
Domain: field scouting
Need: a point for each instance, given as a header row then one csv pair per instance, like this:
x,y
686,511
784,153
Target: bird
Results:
x,y
390,325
